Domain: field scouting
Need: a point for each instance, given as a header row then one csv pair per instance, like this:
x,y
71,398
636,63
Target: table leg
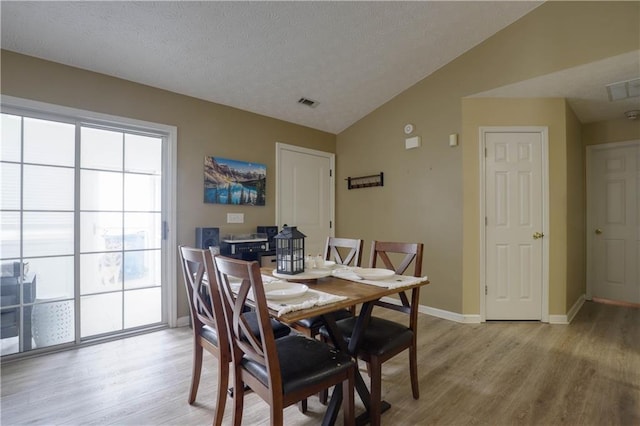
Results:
x,y
352,348
331,415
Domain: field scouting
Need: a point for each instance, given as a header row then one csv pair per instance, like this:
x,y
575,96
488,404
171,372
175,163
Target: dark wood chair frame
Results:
x,y
412,253
373,399
332,251
262,349
206,310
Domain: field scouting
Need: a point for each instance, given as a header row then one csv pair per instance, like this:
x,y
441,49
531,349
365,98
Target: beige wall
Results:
x,y
204,128
576,280
425,197
620,130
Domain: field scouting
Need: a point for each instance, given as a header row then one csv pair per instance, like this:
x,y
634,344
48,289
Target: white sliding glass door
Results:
x,y
81,223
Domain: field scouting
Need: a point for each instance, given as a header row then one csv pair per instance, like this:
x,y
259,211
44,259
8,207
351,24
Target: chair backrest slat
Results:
x,y
344,251
202,291
412,254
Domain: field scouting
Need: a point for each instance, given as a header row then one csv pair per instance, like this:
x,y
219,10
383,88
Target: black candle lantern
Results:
x,y
289,251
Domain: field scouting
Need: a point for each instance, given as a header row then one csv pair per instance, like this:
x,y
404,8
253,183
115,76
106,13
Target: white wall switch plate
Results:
x,y
453,139
413,142
235,217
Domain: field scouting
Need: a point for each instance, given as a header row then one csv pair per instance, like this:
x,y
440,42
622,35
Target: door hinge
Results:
x,y
486,290
330,224
485,153
486,221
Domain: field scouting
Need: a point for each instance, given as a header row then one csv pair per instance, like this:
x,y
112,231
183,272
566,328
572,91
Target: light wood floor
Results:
x,y
498,373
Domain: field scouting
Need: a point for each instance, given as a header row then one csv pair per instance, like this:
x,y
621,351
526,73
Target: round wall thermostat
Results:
x,y
408,129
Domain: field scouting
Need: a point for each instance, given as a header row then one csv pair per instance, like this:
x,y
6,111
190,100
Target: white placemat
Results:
x,y
308,300
396,281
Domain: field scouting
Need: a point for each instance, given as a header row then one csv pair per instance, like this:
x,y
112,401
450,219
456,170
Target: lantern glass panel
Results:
x,y
290,251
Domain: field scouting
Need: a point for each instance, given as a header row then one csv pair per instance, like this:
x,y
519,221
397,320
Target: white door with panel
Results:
x,y
514,209
305,193
613,231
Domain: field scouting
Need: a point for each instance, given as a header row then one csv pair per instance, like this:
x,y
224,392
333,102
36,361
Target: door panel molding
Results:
x,y
544,132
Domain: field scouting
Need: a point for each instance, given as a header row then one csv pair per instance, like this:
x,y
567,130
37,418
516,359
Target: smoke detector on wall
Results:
x,y
633,114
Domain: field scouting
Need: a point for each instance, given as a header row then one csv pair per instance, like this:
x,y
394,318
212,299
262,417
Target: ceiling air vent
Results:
x,y
308,102
624,89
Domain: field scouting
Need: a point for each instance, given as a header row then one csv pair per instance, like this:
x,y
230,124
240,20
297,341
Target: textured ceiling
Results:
x,y
583,86
262,57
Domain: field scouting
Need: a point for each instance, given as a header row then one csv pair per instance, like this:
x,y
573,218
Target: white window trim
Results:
x,y
169,251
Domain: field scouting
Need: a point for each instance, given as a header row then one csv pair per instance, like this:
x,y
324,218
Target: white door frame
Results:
x,y
590,219
544,131
332,162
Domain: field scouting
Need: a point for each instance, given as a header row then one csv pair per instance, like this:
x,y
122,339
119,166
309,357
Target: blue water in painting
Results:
x,y
239,193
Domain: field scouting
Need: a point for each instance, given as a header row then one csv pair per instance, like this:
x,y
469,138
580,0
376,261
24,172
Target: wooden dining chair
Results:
x,y
383,339
343,251
283,371
208,322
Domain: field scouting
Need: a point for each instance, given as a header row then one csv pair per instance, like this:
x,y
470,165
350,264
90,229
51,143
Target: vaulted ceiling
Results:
x,y
263,57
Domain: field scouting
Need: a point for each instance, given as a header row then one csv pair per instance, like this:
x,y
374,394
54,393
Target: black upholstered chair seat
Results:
x,y
381,336
209,334
303,363
316,322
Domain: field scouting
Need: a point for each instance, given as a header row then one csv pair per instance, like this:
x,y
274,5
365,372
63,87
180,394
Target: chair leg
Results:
x,y
195,373
348,407
277,414
323,396
413,370
302,406
238,397
375,373
223,384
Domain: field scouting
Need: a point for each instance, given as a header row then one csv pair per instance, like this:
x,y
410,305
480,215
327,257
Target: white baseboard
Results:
x,y
566,319
456,317
183,322
441,313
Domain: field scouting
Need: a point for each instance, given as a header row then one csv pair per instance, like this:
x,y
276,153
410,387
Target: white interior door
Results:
x,y
613,230
514,208
305,193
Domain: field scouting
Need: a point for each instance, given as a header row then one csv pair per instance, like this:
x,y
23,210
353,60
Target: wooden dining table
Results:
x,y
355,293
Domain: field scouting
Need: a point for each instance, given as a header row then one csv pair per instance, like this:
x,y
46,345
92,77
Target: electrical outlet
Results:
x,y
235,217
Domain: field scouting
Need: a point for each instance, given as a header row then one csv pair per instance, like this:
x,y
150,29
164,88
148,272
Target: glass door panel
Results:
x,y
121,224
11,126
37,249
49,142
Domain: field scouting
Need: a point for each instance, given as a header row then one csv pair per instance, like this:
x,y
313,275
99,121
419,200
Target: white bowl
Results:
x,y
373,273
284,290
328,264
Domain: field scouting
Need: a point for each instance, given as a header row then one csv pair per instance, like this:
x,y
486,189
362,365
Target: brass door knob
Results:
x,y
538,235
598,231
